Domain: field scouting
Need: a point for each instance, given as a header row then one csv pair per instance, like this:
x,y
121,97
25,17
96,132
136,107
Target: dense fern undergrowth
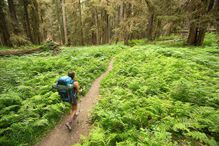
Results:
x,y
159,95
28,106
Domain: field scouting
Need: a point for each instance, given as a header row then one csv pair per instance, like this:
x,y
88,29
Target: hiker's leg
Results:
x,y
73,114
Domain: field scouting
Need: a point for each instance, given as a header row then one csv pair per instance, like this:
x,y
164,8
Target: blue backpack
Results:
x,y
65,88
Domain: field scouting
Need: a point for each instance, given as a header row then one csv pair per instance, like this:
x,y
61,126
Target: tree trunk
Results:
x,y
81,24
93,34
108,29
151,20
196,35
64,22
158,29
13,16
35,22
3,26
117,22
127,14
97,27
192,35
126,39
197,31
59,18
43,28
27,22
201,36
150,27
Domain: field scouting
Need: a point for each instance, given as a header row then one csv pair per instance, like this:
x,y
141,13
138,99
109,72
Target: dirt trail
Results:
x,y
60,136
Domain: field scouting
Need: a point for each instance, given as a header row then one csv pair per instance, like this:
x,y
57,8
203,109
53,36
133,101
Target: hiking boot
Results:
x,y
68,126
77,113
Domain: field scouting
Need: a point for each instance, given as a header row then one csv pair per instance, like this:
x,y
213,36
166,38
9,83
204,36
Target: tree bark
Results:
x,y
158,29
44,32
35,22
93,34
200,39
27,22
119,18
127,14
3,26
151,20
13,16
197,31
150,27
192,35
196,35
81,24
60,23
108,29
97,26
64,22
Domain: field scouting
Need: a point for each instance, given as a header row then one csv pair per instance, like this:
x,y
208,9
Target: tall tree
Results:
x,y
35,21
200,16
3,25
58,11
127,14
96,17
151,20
81,24
27,27
64,22
13,15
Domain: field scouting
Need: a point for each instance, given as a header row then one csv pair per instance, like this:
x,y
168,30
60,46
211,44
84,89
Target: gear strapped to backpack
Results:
x,y
65,89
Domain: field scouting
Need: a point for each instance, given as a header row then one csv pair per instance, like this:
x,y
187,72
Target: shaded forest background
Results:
x,y
93,22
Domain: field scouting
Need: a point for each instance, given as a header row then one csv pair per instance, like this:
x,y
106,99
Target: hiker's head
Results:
x,y
71,74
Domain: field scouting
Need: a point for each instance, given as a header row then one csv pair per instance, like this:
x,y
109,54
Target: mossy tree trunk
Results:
x,y
81,24
27,27
127,14
13,15
151,21
96,17
35,22
64,22
198,27
60,22
3,25
196,35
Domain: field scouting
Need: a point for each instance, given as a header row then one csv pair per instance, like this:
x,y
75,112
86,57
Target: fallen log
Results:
x,y
46,47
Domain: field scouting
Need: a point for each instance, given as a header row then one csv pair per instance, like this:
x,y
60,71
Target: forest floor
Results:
x,y
60,136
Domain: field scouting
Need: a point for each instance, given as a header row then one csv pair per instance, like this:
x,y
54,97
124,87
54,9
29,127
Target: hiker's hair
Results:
x,y
71,74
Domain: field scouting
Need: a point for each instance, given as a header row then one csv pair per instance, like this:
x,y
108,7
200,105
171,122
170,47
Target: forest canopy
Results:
x,y
85,22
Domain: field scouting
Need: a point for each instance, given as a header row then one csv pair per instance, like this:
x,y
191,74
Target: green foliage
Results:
x,y
28,106
211,39
159,95
169,37
4,48
137,42
19,40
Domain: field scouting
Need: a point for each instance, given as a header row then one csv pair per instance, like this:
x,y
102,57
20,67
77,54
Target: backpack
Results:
x,y
64,86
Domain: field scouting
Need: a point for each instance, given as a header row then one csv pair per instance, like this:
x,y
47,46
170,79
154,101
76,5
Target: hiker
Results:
x,y
74,104
68,89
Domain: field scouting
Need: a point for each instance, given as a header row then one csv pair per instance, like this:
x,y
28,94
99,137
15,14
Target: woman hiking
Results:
x,y
74,102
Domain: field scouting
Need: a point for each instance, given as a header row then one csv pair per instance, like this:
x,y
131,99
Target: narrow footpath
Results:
x,y
60,136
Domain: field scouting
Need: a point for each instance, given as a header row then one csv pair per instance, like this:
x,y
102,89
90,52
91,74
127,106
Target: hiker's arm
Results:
x,y
76,85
